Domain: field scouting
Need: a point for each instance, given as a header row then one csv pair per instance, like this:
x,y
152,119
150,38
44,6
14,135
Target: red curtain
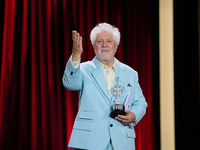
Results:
x,y
36,111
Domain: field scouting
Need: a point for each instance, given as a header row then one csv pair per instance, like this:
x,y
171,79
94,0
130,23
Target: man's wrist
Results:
x,y
76,57
75,64
132,124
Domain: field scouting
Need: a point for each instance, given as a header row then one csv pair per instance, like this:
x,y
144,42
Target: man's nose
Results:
x,y
104,43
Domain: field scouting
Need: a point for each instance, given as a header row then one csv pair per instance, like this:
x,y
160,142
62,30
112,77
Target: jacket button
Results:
x,y
111,125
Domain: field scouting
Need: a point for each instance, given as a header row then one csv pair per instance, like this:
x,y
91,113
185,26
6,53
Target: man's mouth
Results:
x,y
105,50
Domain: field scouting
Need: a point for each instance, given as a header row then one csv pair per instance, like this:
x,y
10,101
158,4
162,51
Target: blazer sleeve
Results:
x,y
72,79
139,104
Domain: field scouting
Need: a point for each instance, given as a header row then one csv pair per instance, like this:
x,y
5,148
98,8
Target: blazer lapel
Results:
x,y
99,78
120,73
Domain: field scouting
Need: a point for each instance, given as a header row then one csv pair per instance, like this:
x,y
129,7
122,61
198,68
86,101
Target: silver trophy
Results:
x,y
117,108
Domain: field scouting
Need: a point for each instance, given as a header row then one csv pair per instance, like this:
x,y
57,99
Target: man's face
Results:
x,y
105,47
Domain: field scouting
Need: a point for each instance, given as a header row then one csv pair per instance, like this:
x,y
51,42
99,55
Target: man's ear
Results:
x,y
116,46
93,47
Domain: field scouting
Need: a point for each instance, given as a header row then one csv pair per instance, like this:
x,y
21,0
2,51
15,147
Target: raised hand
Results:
x,y
77,46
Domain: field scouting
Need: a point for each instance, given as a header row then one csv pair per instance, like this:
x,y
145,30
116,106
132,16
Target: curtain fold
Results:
x,y
36,111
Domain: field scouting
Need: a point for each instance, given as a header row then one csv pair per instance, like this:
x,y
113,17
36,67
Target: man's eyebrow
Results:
x,y
105,39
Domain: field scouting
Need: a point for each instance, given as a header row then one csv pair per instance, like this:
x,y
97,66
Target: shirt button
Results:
x,y
111,125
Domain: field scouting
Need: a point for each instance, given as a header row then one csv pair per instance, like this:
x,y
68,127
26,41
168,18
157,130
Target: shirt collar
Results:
x,y
113,67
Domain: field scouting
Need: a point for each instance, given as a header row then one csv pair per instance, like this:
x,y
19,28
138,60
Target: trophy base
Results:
x,y
117,109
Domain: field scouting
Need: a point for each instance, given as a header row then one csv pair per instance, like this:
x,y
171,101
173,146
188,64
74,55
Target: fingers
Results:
x,y
76,37
127,119
74,34
122,118
77,40
80,39
77,48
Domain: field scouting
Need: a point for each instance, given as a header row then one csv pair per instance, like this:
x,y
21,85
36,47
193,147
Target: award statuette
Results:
x,y
117,108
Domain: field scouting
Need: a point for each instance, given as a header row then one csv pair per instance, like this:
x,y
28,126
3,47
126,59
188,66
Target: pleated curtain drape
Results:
x,y
36,111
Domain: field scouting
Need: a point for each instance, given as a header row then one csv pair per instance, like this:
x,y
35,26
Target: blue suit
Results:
x,y
93,128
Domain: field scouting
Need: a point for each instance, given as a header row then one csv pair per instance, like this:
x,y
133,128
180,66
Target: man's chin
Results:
x,y
104,59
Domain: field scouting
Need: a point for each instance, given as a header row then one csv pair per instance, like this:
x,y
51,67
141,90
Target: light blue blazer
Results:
x,y
93,128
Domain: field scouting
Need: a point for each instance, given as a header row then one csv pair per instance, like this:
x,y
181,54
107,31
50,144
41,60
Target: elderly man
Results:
x,y
97,82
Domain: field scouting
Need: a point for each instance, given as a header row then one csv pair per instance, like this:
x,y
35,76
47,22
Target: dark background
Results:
x,y
186,70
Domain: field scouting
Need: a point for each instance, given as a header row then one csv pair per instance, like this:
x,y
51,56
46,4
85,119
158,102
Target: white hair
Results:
x,y
105,27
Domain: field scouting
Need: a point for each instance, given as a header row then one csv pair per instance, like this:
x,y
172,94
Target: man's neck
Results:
x,y
107,63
